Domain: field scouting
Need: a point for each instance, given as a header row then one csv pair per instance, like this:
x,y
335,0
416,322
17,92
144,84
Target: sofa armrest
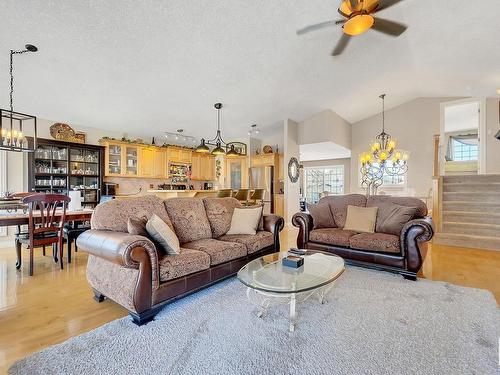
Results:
x,y
413,232
116,247
274,224
304,222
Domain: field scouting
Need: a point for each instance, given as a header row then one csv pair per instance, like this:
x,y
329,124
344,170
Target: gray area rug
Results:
x,y
374,323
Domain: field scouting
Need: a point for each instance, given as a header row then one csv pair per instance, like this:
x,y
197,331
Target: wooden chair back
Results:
x,y
242,195
257,195
224,193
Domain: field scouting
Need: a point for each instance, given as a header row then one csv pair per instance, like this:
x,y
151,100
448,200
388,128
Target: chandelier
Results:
x,y
14,125
383,159
218,142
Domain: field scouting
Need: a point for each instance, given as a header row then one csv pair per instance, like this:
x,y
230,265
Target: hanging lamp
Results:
x,y
218,141
14,126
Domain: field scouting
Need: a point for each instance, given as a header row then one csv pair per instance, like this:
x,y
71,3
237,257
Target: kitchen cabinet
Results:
x,y
236,172
160,163
203,167
179,155
146,162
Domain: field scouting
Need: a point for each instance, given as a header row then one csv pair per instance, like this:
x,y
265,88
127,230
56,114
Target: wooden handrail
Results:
x,y
436,169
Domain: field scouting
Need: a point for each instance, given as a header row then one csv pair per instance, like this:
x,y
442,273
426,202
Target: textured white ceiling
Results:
x,y
150,66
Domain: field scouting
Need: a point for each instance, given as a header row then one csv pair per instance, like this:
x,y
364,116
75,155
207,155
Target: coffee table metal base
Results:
x,y
263,300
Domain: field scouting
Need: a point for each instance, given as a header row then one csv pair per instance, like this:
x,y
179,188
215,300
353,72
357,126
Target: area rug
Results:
x,y
373,323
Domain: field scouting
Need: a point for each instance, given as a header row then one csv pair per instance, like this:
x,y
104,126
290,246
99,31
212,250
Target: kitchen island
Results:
x,y
165,194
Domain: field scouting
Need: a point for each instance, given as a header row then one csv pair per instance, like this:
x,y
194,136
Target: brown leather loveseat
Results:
x,y
131,271
393,247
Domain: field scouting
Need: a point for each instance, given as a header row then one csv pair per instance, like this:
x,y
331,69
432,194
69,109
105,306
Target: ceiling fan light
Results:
x,y
358,24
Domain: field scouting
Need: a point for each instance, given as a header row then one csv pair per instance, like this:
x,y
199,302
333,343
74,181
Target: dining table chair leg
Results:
x,y
43,250
31,260
54,252
19,255
68,245
60,246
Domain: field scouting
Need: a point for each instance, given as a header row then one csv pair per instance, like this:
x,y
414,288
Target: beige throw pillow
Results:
x,y
245,220
361,219
163,235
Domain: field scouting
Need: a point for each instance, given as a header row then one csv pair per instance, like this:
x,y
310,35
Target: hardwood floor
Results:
x,y
54,305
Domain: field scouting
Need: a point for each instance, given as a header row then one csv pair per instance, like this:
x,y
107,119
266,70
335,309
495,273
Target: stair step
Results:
x,y
461,240
478,178
471,206
471,217
469,187
475,229
483,197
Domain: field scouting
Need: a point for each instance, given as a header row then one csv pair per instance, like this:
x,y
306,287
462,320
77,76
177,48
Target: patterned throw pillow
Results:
x,y
137,226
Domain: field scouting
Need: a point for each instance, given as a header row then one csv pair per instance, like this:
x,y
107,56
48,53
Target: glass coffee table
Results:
x,y
268,280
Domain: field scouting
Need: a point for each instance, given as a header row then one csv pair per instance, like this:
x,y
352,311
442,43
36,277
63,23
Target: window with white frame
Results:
x,y
388,180
464,150
323,179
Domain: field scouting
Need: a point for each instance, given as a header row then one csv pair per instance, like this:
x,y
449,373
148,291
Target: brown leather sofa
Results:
x,y
130,270
397,251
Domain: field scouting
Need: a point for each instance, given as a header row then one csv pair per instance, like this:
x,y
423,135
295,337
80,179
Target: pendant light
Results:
x,y
14,125
218,142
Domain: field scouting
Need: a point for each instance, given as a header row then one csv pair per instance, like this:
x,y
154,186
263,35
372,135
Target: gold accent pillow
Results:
x,y
361,219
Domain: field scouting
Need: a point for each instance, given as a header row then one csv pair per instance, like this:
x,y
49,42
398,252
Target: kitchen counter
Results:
x,y
165,194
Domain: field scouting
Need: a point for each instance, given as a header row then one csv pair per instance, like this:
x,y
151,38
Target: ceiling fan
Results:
x,y
359,19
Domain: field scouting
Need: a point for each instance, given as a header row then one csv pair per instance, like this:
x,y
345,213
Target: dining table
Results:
x,y
20,217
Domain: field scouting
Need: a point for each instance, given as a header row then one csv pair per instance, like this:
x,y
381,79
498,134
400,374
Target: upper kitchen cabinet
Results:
x,y
203,167
160,163
179,155
146,162
121,159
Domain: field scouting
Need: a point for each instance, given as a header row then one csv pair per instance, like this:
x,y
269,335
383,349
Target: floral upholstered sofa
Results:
x,y
130,270
402,226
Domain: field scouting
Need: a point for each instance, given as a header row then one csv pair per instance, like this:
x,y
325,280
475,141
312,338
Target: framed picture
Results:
x,y
241,148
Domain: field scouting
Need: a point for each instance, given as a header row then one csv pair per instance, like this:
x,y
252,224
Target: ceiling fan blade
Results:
x,y
341,45
384,4
388,27
319,26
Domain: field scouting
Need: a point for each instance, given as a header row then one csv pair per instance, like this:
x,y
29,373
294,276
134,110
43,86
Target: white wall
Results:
x,y
492,144
291,149
325,126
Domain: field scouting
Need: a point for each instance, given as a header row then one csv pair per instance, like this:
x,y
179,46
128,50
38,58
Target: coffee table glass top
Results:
x,y
267,273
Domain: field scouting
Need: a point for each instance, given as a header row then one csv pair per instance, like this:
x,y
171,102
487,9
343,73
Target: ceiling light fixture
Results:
x,y
218,141
253,130
179,137
13,134
358,24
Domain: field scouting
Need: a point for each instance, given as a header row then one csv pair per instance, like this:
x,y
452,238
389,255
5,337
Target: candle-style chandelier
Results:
x,y
383,159
17,130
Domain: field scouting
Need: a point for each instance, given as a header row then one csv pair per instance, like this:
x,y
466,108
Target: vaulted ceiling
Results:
x,y
152,66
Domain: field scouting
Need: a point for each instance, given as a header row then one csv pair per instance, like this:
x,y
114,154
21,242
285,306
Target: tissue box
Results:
x,y
293,261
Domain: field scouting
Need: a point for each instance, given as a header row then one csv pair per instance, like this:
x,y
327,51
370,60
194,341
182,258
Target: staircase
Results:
x,y
470,212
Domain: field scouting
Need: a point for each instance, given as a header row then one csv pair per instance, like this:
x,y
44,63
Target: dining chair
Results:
x,y
256,197
47,214
73,229
224,193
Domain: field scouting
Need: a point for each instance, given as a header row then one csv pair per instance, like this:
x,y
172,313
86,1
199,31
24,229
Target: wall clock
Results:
x,y
293,169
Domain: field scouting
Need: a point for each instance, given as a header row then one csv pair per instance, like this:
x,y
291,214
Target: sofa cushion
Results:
x,y
114,214
331,236
382,201
189,219
392,218
361,219
338,205
188,261
387,243
219,212
137,226
219,251
254,242
322,215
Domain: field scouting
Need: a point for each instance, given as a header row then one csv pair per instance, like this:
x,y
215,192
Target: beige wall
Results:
x,y
492,144
325,126
329,163
291,149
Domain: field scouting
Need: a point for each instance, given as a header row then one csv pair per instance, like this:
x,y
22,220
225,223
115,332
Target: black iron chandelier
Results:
x,y
17,130
218,141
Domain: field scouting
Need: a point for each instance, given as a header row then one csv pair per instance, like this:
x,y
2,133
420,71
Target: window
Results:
x,y
464,151
319,180
388,180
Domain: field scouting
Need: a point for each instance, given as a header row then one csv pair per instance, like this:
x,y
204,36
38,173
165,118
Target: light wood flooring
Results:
x,y
54,305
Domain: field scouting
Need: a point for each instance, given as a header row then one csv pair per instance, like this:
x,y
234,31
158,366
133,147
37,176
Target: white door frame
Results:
x,y
481,132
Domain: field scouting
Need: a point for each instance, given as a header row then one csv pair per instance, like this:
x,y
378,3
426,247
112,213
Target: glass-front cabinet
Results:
x,y
131,160
57,167
114,160
121,159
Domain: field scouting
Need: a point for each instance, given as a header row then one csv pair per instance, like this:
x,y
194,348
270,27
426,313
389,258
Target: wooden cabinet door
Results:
x,y
210,168
113,161
173,154
185,156
196,168
160,164
146,162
